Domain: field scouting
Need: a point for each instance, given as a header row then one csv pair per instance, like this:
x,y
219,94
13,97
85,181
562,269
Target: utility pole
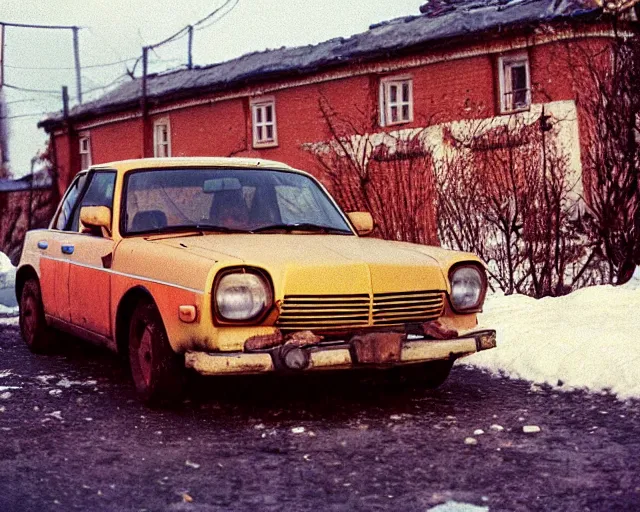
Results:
x,y
4,131
143,102
1,55
190,48
76,58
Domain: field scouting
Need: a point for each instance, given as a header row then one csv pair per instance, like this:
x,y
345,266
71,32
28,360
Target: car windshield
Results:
x,y
227,201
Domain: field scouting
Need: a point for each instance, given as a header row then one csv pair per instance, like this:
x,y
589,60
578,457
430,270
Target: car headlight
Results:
x,y
242,296
468,287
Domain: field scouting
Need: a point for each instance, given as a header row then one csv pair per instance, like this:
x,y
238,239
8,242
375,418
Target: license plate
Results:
x,y
378,348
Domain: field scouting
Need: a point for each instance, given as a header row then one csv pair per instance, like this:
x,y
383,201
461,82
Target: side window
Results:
x,y
69,202
99,193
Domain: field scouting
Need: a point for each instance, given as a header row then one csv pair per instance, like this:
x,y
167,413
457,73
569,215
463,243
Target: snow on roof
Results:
x,y
441,20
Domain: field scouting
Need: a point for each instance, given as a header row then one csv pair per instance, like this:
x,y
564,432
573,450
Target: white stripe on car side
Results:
x,y
132,276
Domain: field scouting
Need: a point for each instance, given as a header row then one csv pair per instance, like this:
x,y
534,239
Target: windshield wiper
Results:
x,y
199,228
302,226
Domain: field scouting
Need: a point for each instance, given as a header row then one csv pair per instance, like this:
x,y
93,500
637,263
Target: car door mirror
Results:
x,y
362,221
96,219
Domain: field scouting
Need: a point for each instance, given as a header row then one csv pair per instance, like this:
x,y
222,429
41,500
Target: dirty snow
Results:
x,y
586,340
454,506
8,305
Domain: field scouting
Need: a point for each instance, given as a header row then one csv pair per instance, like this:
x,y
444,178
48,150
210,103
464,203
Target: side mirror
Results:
x,y
96,218
362,221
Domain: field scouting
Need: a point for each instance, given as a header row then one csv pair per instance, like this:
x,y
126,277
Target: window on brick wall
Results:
x,y
515,83
85,151
161,138
396,101
263,118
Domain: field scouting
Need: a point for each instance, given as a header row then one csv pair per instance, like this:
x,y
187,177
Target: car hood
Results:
x,y
326,264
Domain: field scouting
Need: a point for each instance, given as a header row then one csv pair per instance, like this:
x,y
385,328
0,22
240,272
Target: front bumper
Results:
x,y
339,355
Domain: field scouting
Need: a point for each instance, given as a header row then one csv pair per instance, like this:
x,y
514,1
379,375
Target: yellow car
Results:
x,y
239,266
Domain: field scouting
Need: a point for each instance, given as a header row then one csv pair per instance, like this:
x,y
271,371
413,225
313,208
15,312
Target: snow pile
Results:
x,y
588,339
8,306
7,271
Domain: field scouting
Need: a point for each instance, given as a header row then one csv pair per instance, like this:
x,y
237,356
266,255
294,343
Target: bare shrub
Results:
x,y
389,175
505,193
610,97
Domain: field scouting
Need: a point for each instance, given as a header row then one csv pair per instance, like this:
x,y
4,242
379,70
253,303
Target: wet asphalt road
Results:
x,y
74,437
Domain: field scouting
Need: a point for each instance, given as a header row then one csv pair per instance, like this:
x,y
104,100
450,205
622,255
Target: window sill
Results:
x,y
515,110
396,123
265,145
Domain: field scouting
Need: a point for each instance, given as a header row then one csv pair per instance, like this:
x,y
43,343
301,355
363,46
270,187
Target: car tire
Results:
x,y
429,375
39,337
157,371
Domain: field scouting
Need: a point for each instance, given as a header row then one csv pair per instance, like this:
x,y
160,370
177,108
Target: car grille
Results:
x,y
407,307
314,312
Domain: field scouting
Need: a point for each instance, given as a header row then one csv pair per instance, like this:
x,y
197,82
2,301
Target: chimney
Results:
x,y
434,8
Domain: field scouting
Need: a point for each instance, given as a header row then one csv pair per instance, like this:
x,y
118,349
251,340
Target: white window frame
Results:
x,y
505,62
84,150
386,104
157,142
259,109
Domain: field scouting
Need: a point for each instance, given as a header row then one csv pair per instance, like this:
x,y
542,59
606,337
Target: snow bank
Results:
x,y
7,280
588,339
7,271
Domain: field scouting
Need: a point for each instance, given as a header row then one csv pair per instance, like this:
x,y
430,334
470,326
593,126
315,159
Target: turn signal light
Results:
x,y
188,314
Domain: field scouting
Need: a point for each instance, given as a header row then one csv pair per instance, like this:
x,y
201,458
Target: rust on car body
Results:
x,y
303,338
437,331
264,341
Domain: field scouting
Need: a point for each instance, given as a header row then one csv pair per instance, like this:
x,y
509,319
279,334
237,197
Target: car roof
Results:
x,y
191,162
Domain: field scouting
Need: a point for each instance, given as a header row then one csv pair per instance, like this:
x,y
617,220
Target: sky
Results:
x,y
115,30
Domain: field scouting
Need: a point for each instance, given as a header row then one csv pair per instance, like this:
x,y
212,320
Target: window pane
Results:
x,y
69,202
270,132
394,114
518,77
393,94
520,99
405,112
405,91
258,114
99,193
269,113
259,133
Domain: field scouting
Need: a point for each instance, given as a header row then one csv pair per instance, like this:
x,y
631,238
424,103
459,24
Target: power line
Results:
x,y
26,100
18,116
25,89
62,68
216,12
114,82
28,25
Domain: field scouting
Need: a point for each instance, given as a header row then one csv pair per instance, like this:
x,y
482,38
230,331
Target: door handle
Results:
x,y
43,244
67,249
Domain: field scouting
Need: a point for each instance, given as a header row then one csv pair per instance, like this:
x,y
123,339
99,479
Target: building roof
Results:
x,y
440,21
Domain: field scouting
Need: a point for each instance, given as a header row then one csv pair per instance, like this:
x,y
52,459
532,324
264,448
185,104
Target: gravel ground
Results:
x,y
74,437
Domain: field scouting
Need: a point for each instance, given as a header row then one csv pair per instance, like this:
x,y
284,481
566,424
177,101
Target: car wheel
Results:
x,y
158,372
38,336
426,375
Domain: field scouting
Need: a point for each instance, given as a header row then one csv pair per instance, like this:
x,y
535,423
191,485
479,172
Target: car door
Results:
x,y
54,263
90,255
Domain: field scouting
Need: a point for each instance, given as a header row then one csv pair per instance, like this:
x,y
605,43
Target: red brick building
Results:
x,y
458,59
